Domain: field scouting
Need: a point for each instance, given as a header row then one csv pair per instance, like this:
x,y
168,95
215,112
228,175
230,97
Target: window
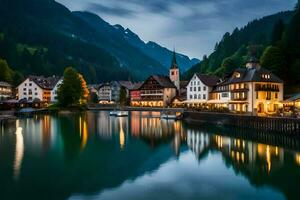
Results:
x,y
256,95
36,93
25,84
199,89
198,82
199,96
195,89
191,96
24,93
172,73
204,88
191,89
204,96
192,83
35,89
195,96
276,95
24,89
30,84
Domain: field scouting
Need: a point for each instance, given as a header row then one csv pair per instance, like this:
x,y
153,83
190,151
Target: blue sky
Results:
x,y
192,26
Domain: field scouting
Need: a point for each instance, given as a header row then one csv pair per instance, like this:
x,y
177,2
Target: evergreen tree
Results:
x,y
273,59
5,72
277,32
123,96
70,92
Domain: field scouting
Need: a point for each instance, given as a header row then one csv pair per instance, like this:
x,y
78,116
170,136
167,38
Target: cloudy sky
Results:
x,y
192,26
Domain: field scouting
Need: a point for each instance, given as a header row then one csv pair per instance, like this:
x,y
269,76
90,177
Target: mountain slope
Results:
x,y
43,37
157,52
250,39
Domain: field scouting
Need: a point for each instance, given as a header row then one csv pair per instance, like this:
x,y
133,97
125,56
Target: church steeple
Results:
x,y
174,61
174,72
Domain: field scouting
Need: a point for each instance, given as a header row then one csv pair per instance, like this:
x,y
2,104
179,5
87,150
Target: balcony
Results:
x,y
267,88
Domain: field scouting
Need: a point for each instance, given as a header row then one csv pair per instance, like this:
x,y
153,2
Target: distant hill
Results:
x,y
43,37
235,47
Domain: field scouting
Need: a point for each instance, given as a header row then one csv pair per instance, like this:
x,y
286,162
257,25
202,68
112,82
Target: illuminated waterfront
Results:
x,y
95,156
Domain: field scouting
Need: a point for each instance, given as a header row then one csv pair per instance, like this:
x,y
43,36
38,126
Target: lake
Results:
x,y
95,156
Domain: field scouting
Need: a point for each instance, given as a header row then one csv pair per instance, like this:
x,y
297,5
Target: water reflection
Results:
x,y
92,152
19,151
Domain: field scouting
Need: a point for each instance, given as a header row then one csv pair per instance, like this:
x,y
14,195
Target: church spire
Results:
x,y
174,61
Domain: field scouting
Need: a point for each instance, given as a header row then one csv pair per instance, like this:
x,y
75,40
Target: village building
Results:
x,y
55,90
156,91
6,90
199,88
252,89
135,94
104,93
37,88
174,72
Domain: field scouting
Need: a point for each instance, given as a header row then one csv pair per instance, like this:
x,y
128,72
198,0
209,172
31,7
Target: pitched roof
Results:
x,y
45,83
295,97
127,84
251,75
5,84
164,81
174,64
137,85
208,80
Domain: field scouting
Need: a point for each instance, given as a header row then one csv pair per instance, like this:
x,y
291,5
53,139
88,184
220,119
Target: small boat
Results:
x,y
118,113
121,114
168,116
113,113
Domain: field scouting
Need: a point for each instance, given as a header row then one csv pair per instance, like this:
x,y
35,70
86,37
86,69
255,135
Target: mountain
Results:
x,y
235,48
43,37
157,52
122,37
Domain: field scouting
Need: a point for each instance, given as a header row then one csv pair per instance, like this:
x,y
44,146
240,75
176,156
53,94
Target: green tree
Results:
x,y
70,92
17,78
123,96
5,71
277,32
273,59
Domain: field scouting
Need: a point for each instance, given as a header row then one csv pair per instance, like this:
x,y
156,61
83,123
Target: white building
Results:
x,y
55,90
37,88
199,87
6,91
105,93
252,89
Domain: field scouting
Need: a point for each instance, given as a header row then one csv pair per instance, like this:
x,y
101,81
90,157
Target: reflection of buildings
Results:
x,y
19,151
247,155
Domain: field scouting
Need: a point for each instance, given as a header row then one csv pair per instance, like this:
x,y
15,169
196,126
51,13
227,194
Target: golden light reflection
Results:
x,y
19,151
297,158
83,131
122,134
268,155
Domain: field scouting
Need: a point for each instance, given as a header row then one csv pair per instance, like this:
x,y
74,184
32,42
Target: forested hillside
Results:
x,y
274,39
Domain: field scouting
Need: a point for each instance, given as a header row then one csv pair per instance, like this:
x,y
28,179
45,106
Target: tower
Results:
x,y
174,72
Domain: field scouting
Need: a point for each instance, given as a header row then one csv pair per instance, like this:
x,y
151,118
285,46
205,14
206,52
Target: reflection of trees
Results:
x,y
73,140
261,164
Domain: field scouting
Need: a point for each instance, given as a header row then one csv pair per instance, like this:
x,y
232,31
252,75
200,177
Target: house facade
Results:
x,y
156,91
55,90
252,89
199,88
104,93
37,88
6,90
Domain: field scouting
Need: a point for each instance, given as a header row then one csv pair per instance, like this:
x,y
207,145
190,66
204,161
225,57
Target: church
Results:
x,y
158,90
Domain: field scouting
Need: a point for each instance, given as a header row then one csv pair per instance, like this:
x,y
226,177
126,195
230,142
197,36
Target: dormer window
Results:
x,y
237,75
266,76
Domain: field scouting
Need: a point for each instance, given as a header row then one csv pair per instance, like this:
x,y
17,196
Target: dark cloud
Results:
x,y
193,26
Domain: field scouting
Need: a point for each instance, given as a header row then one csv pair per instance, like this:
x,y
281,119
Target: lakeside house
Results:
x,y
199,88
156,91
6,90
251,89
38,89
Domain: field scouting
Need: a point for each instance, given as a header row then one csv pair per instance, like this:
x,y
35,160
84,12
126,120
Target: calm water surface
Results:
x,y
95,156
